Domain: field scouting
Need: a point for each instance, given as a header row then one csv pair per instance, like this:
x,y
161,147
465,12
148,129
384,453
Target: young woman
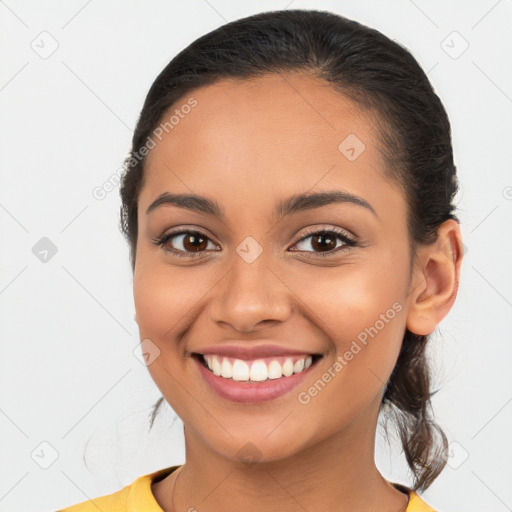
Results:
x,y
288,202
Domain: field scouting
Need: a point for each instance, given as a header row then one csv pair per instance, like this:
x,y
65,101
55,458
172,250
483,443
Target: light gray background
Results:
x,y
70,379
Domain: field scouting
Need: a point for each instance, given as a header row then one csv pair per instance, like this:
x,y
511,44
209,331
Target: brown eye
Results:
x,y
325,242
187,243
194,242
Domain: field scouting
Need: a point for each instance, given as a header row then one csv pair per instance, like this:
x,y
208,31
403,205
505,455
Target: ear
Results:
x,y
435,279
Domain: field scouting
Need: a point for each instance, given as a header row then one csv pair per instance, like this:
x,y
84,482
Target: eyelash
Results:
x,y
349,242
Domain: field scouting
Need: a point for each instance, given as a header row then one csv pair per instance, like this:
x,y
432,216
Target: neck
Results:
x,y
337,474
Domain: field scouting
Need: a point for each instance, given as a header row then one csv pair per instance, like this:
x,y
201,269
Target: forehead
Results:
x,y
279,134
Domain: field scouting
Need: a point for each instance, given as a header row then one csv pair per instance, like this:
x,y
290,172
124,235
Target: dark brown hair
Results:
x,y
384,79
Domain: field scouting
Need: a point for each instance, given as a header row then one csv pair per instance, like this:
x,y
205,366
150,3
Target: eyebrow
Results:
x,y
286,207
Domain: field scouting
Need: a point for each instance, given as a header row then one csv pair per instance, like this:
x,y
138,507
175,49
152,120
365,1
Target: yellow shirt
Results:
x,y
137,497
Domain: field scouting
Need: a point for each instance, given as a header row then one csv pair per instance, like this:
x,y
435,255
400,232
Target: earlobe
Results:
x,y
434,288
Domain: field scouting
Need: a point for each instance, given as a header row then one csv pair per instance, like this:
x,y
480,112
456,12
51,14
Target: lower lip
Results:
x,y
251,392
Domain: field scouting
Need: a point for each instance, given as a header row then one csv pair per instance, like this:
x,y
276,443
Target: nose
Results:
x,y
252,295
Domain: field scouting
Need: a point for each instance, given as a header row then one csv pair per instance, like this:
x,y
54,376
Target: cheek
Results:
x,y
167,300
164,302
363,314
155,301
365,321
350,301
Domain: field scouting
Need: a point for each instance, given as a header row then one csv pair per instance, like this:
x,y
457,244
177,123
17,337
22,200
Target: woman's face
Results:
x,y
259,275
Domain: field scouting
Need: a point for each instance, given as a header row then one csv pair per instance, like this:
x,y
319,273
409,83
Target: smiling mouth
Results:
x,y
256,370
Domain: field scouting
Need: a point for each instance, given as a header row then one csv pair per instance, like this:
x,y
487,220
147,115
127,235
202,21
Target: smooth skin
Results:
x,y
247,145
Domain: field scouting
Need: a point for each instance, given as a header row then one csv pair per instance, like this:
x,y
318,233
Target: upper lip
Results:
x,y
252,351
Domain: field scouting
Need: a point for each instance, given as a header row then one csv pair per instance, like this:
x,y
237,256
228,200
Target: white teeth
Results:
x,y
259,371
240,370
288,368
298,366
216,366
227,369
208,359
274,370
255,371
